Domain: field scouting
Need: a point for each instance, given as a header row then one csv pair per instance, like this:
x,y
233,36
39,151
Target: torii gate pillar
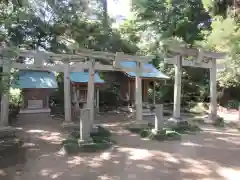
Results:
x,y
213,91
177,88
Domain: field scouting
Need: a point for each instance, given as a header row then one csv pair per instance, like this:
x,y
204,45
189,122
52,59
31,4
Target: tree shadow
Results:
x,y
211,154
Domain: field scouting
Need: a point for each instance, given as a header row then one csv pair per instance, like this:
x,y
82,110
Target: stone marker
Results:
x,y
85,124
158,117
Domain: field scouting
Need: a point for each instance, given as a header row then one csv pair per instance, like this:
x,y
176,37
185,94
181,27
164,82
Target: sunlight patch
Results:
x,y
36,131
144,166
56,175
137,154
191,144
2,173
45,172
229,174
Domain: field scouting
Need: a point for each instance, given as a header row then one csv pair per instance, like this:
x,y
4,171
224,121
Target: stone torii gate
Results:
x,y
204,59
73,63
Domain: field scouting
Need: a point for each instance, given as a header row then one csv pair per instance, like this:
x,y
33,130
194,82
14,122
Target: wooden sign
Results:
x,y
202,64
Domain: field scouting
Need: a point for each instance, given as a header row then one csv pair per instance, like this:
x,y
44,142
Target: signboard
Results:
x,y
203,64
35,104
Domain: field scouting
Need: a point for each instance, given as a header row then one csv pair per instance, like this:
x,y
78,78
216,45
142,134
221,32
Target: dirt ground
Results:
x,y
210,155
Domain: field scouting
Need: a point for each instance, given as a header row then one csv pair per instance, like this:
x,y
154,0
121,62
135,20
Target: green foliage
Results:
x,y
172,18
102,132
160,135
219,122
217,7
100,140
71,146
183,127
172,132
225,37
65,26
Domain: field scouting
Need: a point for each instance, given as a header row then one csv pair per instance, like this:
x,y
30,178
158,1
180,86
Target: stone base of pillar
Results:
x,y
175,120
210,119
69,125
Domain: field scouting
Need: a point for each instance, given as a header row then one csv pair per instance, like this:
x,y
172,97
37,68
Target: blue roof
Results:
x,y
35,79
154,74
82,77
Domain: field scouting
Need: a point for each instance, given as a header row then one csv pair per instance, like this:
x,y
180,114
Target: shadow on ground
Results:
x,y
212,154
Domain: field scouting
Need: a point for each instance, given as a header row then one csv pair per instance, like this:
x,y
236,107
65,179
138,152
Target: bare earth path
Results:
x,y
210,155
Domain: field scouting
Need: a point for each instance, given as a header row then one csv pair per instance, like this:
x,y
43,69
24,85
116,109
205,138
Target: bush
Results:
x,y
184,127
71,146
102,132
171,133
14,110
99,140
160,135
219,122
163,135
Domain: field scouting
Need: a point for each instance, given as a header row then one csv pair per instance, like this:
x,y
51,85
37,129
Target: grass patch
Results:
x,y
99,140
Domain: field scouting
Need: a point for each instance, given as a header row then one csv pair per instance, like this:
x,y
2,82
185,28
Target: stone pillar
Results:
x,y
47,102
159,117
67,94
38,60
213,91
90,92
154,93
138,88
5,96
85,124
177,88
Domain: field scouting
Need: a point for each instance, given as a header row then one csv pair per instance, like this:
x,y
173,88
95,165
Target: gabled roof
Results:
x,y
82,77
154,74
35,79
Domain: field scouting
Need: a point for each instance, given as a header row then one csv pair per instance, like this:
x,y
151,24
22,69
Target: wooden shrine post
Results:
x,y
154,92
138,81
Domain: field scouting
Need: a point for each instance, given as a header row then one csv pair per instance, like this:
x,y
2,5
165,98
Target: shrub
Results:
x,y
102,132
99,140
14,110
184,127
219,122
71,146
167,135
160,135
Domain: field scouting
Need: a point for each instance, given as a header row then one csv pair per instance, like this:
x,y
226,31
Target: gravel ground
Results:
x,y
210,155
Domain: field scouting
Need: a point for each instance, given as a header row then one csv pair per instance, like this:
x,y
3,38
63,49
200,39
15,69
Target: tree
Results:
x,y
179,18
225,37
